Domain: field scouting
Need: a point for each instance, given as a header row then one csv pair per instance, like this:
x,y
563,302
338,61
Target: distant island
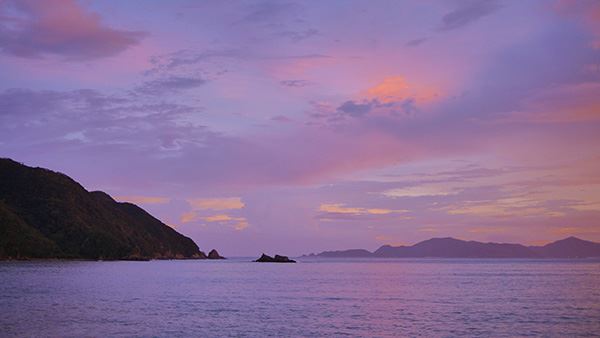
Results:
x,y
571,247
46,214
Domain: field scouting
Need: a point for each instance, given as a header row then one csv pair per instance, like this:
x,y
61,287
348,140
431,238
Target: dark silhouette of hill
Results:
x,y
450,247
571,247
46,214
356,253
454,248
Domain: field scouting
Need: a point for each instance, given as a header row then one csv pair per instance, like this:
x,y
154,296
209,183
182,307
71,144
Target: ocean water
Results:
x,y
404,297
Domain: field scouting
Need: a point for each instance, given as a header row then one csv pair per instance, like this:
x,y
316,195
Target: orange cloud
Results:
x,y
188,217
338,211
395,88
143,199
238,223
339,208
230,203
218,218
218,204
379,211
390,89
241,225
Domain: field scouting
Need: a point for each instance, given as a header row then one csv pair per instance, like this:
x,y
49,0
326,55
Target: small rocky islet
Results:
x,y
214,254
277,259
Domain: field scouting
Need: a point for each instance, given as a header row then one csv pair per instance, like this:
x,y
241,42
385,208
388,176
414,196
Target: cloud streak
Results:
x,y
169,85
339,211
467,13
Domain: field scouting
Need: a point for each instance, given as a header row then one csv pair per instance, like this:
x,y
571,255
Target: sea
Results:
x,y
312,298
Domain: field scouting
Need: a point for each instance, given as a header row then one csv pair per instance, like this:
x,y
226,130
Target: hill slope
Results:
x,y
450,247
571,247
454,248
45,214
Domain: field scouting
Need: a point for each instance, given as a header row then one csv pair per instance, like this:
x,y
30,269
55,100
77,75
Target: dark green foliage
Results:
x,y
19,240
45,214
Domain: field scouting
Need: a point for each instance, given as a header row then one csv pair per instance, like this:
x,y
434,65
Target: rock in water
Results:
x,y
277,259
264,259
213,254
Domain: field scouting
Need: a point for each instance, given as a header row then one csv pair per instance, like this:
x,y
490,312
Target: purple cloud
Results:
x,y
467,13
35,29
169,85
356,109
295,83
416,42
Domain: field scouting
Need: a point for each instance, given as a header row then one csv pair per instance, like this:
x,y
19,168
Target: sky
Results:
x,y
293,127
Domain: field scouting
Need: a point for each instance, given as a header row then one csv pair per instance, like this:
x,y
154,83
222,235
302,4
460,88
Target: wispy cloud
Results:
x,y
201,206
467,13
295,83
416,42
228,203
420,191
238,223
167,85
339,211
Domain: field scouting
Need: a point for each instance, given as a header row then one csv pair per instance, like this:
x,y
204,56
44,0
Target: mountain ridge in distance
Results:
x,y
46,214
447,247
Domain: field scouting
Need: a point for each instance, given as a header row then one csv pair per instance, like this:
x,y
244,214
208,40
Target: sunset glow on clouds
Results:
x,y
200,206
340,211
295,127
217,203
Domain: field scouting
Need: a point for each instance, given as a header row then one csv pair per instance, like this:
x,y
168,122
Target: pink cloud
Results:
x,y
396,88
34,29
228,203
339,211
587,11
571,103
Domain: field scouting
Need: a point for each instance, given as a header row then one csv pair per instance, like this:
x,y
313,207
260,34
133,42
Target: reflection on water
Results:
x,y
311,298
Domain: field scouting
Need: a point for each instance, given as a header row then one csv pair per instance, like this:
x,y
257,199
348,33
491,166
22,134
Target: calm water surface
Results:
x,y
312,298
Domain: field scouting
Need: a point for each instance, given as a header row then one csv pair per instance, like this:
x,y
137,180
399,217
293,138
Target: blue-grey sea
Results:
x,y
379,298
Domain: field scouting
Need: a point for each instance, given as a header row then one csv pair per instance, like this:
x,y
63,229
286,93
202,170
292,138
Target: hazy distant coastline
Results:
x,y
571,247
